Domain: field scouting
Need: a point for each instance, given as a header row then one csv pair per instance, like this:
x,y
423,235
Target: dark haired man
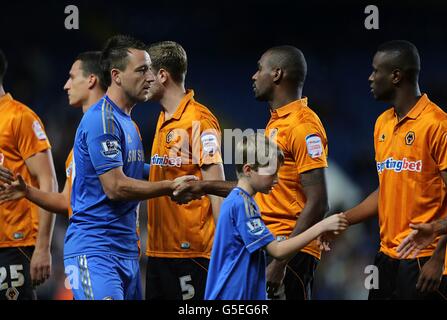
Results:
x,y
300,198
84,87
101,245
411,154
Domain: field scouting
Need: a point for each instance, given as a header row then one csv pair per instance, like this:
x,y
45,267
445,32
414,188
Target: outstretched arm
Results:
x,y
118,187
285,249
366,209
50,201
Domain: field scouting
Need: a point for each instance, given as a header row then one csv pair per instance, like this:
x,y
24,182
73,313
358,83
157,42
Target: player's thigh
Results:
x,y
387,272
94,277
192,275
130,270
299,278
176,279
159,284
15,278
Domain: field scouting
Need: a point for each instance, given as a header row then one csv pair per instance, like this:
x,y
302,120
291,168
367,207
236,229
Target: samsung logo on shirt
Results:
x,y
135,155
399,165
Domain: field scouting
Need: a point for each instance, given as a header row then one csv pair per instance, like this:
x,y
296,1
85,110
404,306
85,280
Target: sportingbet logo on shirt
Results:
x,y
255,226
399,165
314,146
166,161
38,131
109,148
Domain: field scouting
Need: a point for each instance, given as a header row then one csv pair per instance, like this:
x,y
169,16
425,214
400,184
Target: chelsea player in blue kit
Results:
x,y
238,261
101,250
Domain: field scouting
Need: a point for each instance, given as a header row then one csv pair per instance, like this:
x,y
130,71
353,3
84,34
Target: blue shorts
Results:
x,y
105,277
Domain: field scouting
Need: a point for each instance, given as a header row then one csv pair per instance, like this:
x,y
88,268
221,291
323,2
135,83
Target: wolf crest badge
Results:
x,y
409,138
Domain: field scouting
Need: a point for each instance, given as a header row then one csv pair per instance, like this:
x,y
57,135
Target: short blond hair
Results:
x,y
171,56
258,151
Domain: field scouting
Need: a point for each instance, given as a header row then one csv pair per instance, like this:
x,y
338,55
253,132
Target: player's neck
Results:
x,y
405,100
2,91
121,100
282,98
171,100
245,185
92,98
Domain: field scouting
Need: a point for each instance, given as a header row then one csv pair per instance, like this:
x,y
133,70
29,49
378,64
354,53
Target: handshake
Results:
x,y
186,189
183,189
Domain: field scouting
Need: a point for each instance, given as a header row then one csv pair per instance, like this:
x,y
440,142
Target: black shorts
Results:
x,y
15,278
176,279
398,279
299,278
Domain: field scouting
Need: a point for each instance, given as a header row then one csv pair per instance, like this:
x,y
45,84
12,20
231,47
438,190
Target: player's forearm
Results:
x,y
366,209
439,253
440,227
217,187
46,218
129,189
49,201
312,213
285,250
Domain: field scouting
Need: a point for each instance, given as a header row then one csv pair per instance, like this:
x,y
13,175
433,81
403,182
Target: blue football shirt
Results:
x,y
106,138
237,267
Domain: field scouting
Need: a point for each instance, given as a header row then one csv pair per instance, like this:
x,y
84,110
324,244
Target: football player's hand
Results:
x,y
275,273
422,235
431,275
6,176
14,191
40,268
187,190
340,223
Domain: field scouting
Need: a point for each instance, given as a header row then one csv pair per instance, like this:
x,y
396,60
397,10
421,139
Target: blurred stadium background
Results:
x,y
223,41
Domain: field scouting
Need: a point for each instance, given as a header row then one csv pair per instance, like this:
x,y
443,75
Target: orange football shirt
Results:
x,y
410,154
300,134
22,135
181,146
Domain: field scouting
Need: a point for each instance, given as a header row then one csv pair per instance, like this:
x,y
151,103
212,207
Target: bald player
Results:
x,y
411,155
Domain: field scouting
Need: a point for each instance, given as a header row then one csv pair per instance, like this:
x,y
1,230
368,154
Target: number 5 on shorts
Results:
x,y
187,289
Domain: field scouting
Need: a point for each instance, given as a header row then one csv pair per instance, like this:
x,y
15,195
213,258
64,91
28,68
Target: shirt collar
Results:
x,y
6,98
417,108
115,106
290,107
183,103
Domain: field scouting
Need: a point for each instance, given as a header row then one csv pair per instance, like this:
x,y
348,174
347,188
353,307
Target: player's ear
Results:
x,y
162,75
278,73
92,80
246,169
396,76
115,75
